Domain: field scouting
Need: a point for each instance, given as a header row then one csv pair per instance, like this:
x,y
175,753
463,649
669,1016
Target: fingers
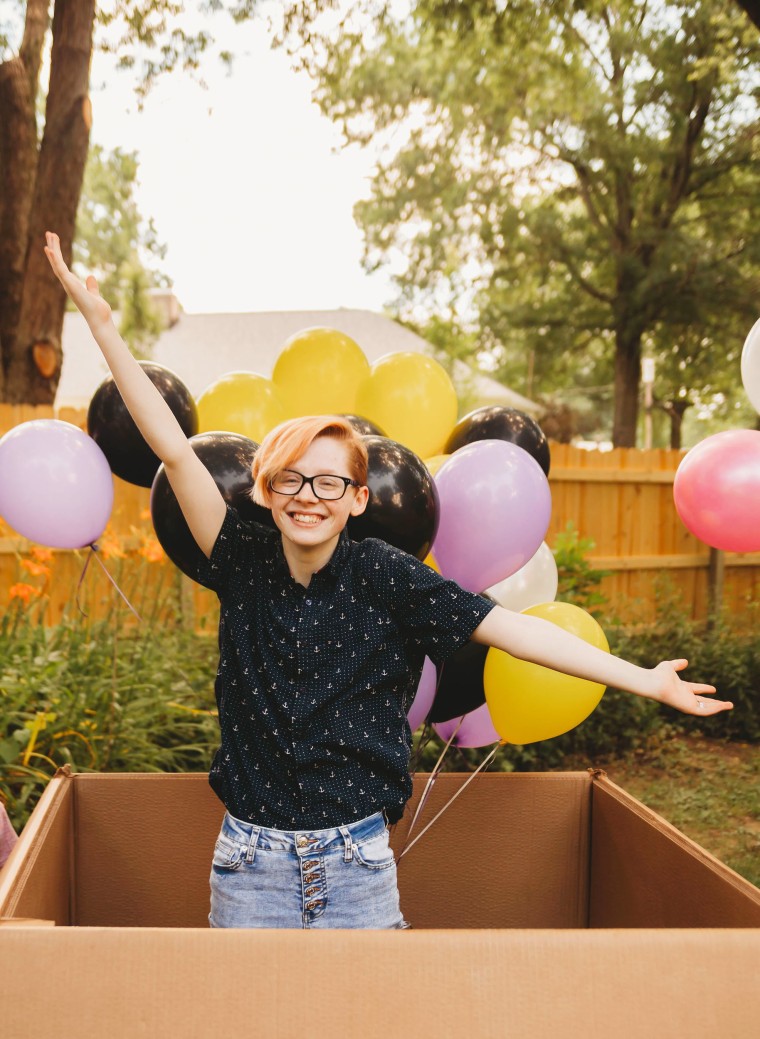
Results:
x,y
92,285
708,707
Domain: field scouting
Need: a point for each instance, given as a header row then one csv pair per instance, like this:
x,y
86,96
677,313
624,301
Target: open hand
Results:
x,y
687,697
86,298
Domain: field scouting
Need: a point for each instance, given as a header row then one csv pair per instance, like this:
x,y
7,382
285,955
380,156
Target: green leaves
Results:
x,y
98,697
559,177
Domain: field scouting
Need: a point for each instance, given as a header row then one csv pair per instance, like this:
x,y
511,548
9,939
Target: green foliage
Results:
x,y
578,580
99,696
570,182
118,245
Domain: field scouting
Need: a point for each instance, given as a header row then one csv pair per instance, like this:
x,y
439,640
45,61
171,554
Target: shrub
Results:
x,y
101,694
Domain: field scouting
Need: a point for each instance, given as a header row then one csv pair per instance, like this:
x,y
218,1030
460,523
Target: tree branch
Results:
x,y
30,52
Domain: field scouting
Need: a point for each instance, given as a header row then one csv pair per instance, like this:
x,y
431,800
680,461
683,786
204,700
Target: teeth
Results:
x,y
301,517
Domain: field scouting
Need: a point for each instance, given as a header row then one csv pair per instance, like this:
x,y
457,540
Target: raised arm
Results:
x,y
197,493
541,642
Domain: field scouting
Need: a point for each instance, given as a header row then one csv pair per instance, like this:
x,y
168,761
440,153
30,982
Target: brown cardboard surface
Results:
x,y
36,880
515,851
512,851
541,984
143,849
646,873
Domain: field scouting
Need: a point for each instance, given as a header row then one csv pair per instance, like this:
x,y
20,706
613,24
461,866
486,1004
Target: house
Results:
x,y
200,348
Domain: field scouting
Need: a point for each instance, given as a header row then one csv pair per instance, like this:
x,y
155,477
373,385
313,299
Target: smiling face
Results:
x,y
311,526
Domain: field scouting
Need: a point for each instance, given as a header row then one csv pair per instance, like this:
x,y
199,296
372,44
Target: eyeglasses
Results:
x,y
324,485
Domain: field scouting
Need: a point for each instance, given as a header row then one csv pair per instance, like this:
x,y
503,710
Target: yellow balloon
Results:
x,y
528,702
240,402
412,398
434,464
318,372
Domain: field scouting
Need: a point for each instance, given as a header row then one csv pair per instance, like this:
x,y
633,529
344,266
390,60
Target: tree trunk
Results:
x,y
627,376
19,78
32,360
677,410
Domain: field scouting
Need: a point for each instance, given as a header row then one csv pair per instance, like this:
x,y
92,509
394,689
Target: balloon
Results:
x,y
534,583
56,486
498,423
228,457
240,402
114,430
434,464
412,397
475,729
717,490
495,511
423,699
460,683
529,702
751,365
318,371
403,501
364,427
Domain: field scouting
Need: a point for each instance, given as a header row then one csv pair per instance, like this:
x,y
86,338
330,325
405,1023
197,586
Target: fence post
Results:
x,y
715,575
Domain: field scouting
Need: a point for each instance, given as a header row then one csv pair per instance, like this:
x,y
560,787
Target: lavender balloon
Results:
x,y
476,729
495,507
424,697
56,486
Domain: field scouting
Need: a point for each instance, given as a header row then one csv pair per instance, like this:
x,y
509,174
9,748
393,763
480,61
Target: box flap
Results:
x,y
646,873
512,851
37,879
143,849
380,984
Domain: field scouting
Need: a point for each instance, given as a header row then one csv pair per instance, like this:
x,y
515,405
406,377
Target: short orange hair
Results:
x,y
285,444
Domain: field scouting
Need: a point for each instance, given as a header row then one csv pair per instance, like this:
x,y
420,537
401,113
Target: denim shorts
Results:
x,y
344,877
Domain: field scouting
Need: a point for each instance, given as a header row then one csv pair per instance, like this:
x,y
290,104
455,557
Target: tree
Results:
x,y
115,243
575,178
41,171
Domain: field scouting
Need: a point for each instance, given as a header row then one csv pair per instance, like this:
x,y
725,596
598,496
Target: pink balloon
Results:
x,y
476,729
56,486
717,490
495,507
424,697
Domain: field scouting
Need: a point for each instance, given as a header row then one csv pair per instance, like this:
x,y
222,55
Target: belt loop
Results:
x,y
251,851
348,854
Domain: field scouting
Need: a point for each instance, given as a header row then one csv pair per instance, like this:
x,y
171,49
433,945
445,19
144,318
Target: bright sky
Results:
x,y
244,182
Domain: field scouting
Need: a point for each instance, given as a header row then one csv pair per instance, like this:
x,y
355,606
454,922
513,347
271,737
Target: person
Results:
x,y
322,641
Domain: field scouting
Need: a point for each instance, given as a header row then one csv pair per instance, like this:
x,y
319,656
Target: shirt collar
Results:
x,y
331,567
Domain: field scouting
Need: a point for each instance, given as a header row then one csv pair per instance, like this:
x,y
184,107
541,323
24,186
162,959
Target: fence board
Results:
x,y
622,500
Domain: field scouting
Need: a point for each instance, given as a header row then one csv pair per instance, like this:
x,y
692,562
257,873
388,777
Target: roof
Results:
x,y
200,348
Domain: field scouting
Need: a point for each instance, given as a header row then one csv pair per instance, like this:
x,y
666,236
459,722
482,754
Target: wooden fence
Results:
x,y
622,500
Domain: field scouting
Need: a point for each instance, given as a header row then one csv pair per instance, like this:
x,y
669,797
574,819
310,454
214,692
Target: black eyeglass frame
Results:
x,y
347,482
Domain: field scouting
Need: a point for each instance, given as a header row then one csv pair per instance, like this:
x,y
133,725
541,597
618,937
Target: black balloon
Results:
x,y
403,500
363,426
460,683
498,423
114,431
228,457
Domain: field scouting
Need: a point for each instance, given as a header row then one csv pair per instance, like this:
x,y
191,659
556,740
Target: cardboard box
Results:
x,y
549,904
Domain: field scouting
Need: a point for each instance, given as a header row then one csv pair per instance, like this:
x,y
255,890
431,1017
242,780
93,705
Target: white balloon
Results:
x,y
751,365
534,583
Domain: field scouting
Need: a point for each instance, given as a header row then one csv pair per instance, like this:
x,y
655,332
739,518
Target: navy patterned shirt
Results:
x,y
314,684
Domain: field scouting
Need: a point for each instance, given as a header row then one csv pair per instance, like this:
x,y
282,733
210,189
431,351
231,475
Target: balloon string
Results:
x,y
104,568
429,785
410,844
81,581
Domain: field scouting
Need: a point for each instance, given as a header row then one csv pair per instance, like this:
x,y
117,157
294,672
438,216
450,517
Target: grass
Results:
x,y
709,789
